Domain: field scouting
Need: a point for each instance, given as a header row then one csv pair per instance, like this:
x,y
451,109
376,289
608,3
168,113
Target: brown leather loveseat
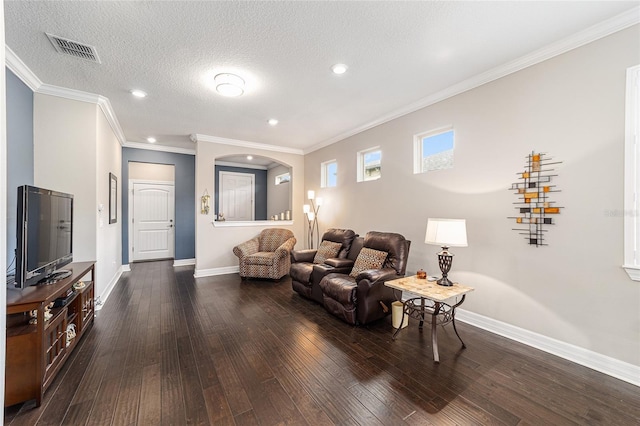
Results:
x,y
360,296
308,266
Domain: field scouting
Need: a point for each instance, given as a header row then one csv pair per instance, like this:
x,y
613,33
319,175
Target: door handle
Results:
x,y
171,226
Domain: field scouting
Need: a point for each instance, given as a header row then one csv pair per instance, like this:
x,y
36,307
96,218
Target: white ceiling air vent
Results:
x,y
73,48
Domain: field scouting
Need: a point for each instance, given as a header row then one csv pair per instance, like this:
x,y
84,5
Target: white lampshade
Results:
x,y
306,208
311,194
319,201
311,215
446,232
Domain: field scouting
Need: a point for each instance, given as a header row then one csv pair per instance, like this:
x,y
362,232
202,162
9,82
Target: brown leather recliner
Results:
x,y
303,278
358,300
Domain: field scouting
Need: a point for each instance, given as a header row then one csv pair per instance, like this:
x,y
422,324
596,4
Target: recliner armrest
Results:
x,y
306,255
339,263
375,275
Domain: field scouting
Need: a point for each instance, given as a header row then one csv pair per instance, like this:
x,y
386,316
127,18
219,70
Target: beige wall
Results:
x,y
214,245
109,244
278,196
74,151
571,107
150,171
64,151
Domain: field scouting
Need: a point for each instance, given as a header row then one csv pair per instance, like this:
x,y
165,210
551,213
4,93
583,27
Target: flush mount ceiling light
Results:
x,y
249,157
339,68
273,121
229,85
151,140
138,93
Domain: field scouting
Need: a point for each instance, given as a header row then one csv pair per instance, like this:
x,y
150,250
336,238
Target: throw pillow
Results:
x,y
327,250
368,259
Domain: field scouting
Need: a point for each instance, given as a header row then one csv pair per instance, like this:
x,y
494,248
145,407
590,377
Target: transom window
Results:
x,y
433,150
369,164
329,174
283,178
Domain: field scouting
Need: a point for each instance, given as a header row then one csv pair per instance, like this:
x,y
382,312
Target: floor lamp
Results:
x,y
311,212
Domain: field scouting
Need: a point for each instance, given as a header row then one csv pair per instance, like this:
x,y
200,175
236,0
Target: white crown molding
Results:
x,y
21,70
254,145
110,115
241,165
72,94
613,367
593,33
162,148
199,273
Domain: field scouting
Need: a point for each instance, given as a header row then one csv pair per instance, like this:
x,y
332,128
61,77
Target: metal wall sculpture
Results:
x,y
535,208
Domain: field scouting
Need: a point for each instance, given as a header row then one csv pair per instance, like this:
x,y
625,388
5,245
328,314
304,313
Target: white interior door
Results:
x,y
152,221
236,196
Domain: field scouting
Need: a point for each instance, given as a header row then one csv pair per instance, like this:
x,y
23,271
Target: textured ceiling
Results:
x,y
397,52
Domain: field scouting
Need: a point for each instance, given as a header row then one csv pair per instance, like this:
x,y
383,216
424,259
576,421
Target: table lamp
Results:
x,y
446,233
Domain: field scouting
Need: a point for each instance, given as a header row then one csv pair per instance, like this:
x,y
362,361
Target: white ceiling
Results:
x,y
398,53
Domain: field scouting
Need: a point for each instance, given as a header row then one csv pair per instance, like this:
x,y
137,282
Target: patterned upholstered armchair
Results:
x,y
267,255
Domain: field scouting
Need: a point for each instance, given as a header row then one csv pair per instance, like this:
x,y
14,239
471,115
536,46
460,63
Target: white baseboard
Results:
x,y
613,367
126,268
184,262
102,298
199,273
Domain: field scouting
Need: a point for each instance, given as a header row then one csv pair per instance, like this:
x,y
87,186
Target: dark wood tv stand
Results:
x,y
36,352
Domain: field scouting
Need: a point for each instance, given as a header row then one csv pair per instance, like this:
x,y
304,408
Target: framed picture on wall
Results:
x,y
113,198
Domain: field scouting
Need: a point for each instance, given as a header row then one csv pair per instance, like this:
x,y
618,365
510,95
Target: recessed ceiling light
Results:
x,y
138,93
151,140
249,157
339,68
273,121
229,85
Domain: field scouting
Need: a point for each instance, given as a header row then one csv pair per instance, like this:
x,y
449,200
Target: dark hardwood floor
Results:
x,y
170,349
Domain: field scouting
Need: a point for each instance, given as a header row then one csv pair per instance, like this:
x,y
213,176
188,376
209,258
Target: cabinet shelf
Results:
x,y
19,330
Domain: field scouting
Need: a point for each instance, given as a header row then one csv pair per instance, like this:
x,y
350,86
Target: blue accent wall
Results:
x,y
185,189
260,182
19,151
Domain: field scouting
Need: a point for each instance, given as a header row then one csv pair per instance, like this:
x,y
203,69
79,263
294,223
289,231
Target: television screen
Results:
x,y
45,233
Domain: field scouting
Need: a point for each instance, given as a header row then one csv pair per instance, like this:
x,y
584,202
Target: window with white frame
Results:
x,y
433,150
369,164
329,174
631,211
283,178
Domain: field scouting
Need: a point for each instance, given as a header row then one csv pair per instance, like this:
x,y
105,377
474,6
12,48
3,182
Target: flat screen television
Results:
x,y
45,235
